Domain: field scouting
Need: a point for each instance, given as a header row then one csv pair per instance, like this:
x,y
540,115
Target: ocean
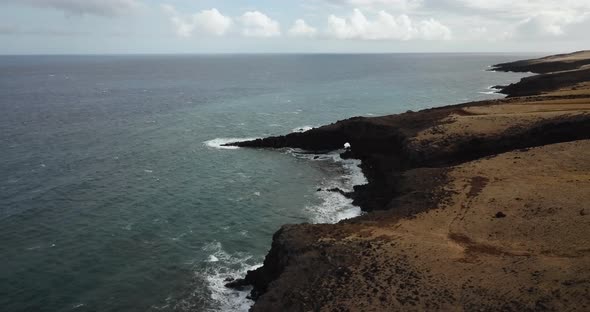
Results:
x,y
116,193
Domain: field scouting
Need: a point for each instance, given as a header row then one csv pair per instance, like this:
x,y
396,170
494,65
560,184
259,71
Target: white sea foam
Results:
x,y
492,90
220,142
334,206
302,129
216,274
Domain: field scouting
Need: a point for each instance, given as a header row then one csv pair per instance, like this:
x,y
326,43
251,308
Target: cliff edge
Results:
x,y
478,206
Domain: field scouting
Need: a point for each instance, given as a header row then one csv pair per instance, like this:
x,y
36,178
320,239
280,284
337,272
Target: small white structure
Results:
x,y
347,145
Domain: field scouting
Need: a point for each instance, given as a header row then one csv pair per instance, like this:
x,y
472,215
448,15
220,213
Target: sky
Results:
x,y
281,26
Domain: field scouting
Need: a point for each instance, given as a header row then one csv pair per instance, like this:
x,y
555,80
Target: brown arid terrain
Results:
x,y
481,206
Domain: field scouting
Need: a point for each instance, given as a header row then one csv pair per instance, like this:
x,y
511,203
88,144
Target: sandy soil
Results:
x,y
505,238
576,56
495,118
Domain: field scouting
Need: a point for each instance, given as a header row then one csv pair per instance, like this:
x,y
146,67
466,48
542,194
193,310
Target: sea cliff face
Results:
x,y
474,206
556,72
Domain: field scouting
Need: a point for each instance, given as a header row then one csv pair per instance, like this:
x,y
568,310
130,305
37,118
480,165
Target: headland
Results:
x,y
480,206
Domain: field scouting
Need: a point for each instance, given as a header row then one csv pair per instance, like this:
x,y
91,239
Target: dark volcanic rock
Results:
x,y
556,72
361,133
543,65
545,83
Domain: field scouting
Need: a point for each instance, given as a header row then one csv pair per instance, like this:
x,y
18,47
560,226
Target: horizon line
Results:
x,y
264,53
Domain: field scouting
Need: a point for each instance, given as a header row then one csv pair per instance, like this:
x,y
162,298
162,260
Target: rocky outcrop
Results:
x,y
536,85
556,72
386,145
437,182
387,151
548,64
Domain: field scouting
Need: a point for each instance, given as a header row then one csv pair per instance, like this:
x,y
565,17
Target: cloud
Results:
x,y
301,29
526,19
525,8
257,24
503,19
385,27
551,24
210,22
106,8
432,29
402,5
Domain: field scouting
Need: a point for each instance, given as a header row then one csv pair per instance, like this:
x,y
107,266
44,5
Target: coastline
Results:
x,y
446,218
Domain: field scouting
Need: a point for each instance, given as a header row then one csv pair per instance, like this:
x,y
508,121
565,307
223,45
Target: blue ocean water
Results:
x,y
116,196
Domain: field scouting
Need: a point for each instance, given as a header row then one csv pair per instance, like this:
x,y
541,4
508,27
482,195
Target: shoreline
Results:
x,y
411,162
334,203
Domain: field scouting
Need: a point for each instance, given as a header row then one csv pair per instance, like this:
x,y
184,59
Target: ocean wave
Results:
x,y
302,129
492,90
219,143
227,266
334,206
213,274
219,265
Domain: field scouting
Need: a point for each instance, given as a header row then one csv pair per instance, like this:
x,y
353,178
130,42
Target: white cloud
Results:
x,y
432,29
385,27
210,22
526,8
526,19
551,24
213,22
301,29
403,5
81,7
503,19
257,24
